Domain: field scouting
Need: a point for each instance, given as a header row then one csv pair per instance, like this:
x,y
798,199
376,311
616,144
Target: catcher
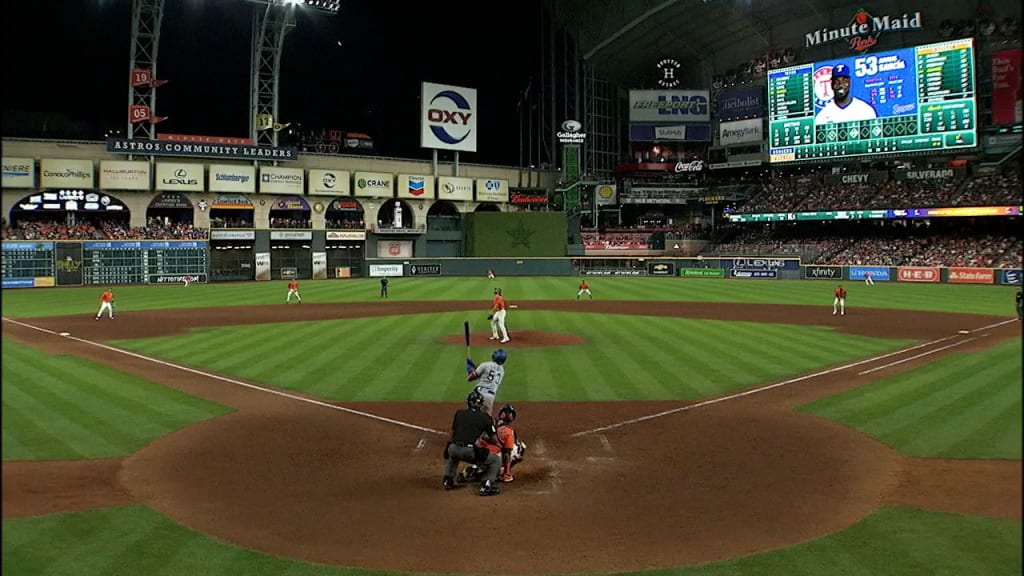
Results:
x,y
509,446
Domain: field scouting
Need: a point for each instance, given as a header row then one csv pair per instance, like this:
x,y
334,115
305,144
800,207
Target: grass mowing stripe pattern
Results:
x,y
963,406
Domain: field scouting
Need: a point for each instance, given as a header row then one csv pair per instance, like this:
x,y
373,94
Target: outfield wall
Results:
x,y
301,255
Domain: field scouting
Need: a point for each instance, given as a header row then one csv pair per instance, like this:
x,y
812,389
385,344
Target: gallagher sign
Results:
x,y
863,30
448,117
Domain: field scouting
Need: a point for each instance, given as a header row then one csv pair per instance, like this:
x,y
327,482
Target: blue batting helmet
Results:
x,y
499,356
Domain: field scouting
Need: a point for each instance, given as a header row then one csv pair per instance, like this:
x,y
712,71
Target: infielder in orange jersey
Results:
x,y
106,303
293,288
839,304
584,289
497,317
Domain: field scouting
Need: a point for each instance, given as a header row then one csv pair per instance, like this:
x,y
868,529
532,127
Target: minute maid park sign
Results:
x,y
863,30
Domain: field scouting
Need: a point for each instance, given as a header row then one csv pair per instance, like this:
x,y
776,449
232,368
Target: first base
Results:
x,y
65,333
965,332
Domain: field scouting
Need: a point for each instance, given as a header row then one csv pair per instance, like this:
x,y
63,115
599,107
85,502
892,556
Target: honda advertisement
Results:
x,y
878,273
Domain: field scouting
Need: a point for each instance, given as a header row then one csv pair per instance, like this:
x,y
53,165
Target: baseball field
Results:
x,y
675,426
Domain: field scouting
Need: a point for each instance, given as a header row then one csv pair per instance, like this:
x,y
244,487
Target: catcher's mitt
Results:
x,y
490,316
519,452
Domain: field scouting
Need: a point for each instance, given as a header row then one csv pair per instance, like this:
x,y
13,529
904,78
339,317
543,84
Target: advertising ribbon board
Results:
x,y
702,273
225,178
124,175
972,276
378,270
918,274
736,273
1011,277
56,173
424,269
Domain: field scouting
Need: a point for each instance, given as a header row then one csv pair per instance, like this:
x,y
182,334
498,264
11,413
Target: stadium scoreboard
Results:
x,y
27,264
924,99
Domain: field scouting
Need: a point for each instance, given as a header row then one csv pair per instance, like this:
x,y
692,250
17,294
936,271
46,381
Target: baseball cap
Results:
x,y
840,70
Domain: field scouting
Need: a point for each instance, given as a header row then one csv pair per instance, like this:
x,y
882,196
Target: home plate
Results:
x,y
65,333
965,332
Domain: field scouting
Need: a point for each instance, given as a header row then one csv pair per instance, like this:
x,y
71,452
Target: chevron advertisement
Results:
x,y
415,186
448,117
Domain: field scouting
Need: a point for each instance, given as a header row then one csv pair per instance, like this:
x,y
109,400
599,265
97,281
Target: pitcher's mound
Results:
x,y
517,339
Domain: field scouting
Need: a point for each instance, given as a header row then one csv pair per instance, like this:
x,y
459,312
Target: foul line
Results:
x,y
232,381
759,390
915,357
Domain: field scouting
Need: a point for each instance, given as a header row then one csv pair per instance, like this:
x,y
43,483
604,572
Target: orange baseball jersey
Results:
x,y
498,303
584,285
840,292
107,296
293,285
506,440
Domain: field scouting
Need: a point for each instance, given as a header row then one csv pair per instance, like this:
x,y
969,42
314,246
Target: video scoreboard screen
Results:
x,y
35,264
908,100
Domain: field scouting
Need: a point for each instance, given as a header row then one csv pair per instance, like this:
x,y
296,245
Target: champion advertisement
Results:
x,y
878,273
448,118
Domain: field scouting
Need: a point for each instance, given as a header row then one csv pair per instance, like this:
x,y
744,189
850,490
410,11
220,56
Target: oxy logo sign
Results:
x,y
448,117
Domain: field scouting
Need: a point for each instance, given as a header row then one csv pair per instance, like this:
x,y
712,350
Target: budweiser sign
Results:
x,y
520,198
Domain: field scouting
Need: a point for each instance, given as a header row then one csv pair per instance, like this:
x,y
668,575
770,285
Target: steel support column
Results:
x,y
270,25
146,18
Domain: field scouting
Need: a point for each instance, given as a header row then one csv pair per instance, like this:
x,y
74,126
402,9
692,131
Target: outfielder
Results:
x,y
488,376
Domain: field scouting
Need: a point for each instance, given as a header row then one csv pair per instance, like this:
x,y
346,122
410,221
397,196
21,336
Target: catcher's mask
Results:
x,y
499,356
475,400
507,413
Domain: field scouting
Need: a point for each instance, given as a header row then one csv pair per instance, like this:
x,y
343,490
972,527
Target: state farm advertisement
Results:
x,y
972,276
918,274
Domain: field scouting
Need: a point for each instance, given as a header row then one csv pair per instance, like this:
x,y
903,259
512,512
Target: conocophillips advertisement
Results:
x,y
55,173
275,180
453,188
374,184
124,175
491,190
19,173
415,186
224,178
329,183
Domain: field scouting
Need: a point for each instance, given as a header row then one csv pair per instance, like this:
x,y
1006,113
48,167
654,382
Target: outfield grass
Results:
x,y
134,540
959,409
966,405
65,408
625,357
965,298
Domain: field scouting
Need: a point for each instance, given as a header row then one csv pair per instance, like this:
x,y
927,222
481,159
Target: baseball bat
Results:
x,y
465,326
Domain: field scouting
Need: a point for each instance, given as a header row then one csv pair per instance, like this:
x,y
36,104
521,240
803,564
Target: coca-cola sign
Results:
x,y
691,166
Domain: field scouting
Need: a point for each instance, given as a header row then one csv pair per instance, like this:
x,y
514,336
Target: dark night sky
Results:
x,y
75,59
